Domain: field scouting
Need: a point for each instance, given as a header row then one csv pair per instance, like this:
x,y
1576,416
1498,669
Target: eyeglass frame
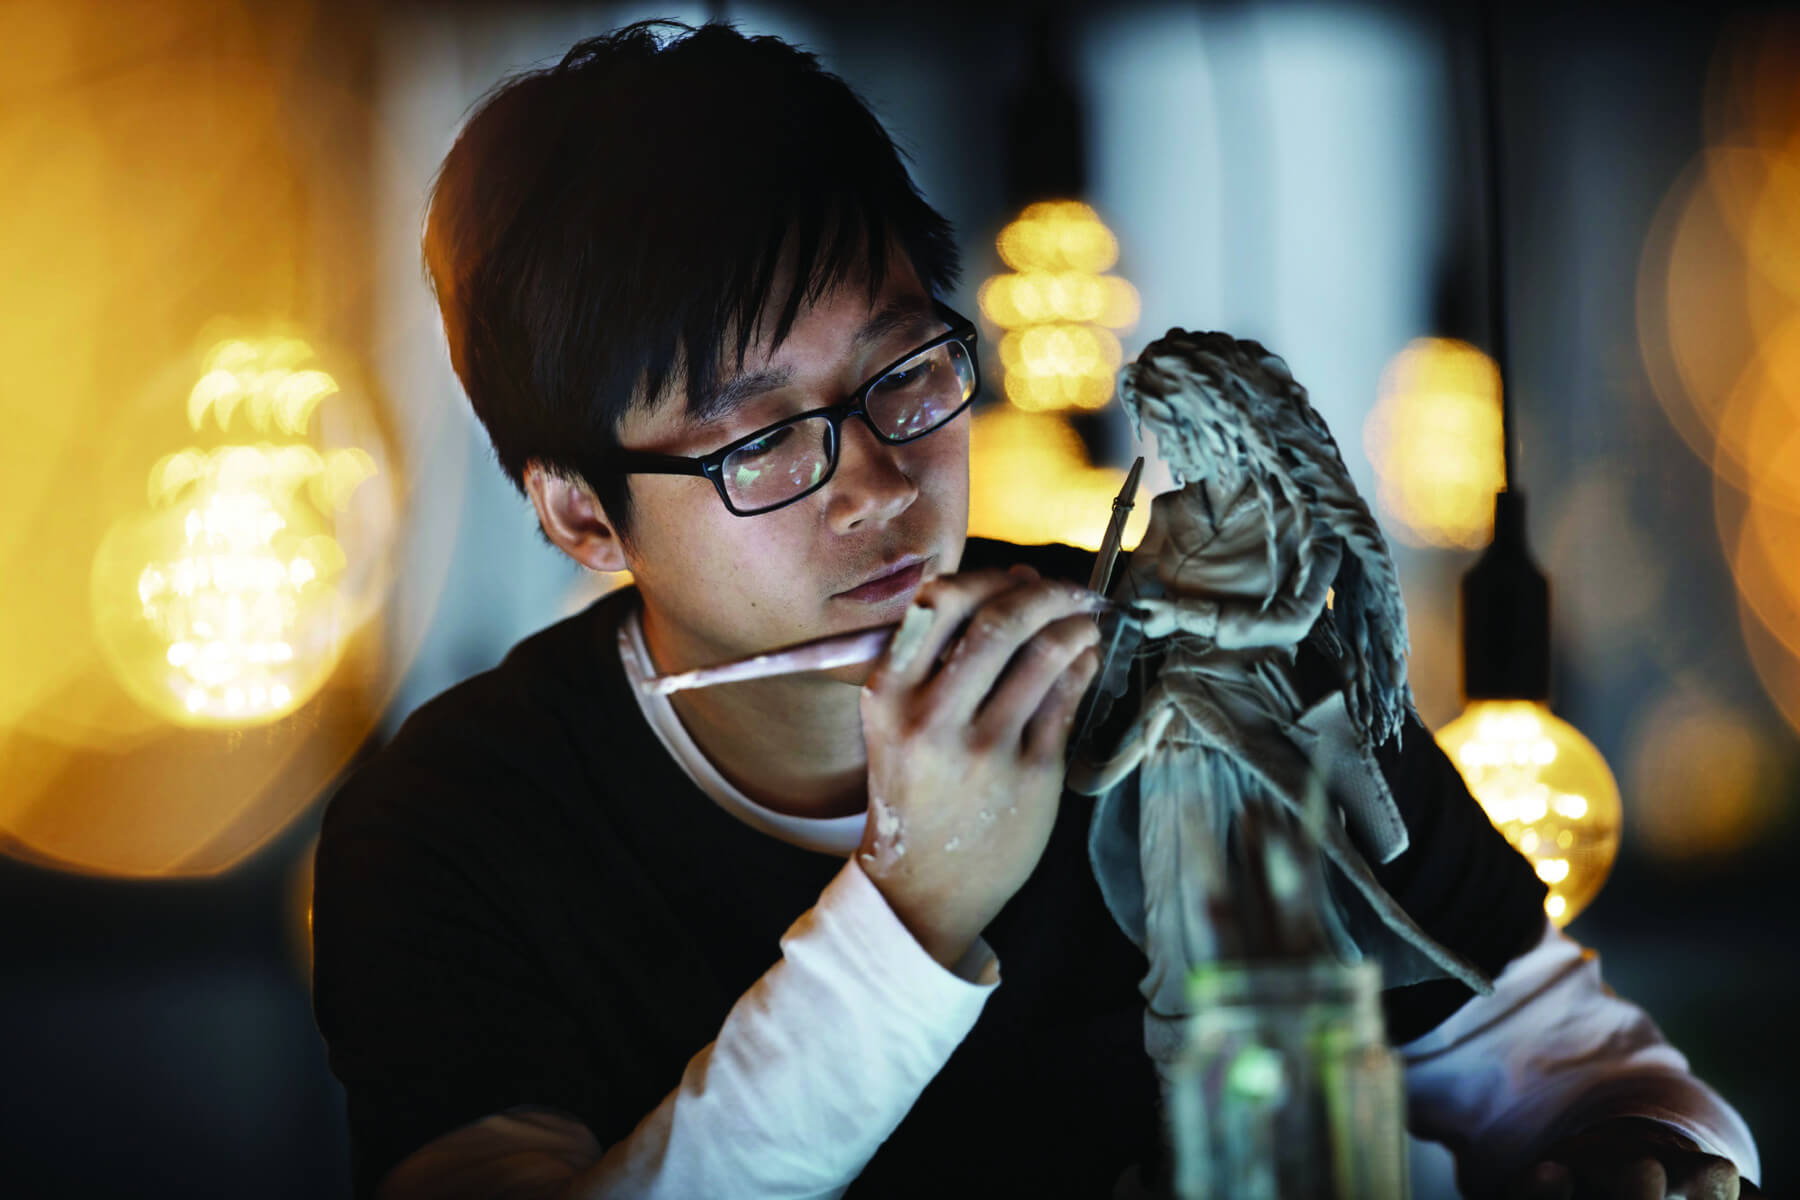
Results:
x,y
712,465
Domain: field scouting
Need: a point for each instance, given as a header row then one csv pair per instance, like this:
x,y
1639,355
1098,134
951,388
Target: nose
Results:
x,y
870,485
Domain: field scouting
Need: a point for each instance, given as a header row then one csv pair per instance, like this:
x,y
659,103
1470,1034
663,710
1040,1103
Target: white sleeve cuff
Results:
x,y
814,1066
857,919
1549,1053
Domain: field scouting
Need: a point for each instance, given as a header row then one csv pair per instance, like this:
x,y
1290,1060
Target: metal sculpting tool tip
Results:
x,y
1115,529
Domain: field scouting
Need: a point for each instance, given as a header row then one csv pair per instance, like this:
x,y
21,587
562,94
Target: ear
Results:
x,y
573,519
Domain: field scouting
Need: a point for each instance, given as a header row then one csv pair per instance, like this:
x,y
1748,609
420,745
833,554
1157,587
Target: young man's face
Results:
x,y
850,555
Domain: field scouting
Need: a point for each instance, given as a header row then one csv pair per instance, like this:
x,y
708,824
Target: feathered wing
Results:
x,y
1369,609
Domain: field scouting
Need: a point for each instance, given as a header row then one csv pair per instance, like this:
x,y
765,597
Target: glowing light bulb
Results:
x,y
1030,481
1546,788
1434,440
1058,309
231,600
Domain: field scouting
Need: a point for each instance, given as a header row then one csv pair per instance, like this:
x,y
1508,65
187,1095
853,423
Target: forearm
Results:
x,y
1551,1052
814,1067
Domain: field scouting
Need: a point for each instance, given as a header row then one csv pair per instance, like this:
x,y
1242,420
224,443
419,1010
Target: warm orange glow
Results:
x,y
1699,778
221,606
1762,564
1015,301
1719,325
1547,789
1705,306
1777,668
1058,310
298,910
166,165
1030,482
1434,439
1434,654
1059,235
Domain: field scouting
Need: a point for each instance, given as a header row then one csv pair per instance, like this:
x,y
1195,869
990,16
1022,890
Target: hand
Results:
x,y
1629,1158
966,738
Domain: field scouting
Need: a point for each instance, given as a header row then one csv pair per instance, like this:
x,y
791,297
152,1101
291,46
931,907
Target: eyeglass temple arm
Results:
x,y
640,462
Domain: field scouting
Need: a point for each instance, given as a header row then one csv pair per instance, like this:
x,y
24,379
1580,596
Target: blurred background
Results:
x,y
247,522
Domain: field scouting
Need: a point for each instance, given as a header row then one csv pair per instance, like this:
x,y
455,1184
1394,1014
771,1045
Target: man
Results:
x,y
576,941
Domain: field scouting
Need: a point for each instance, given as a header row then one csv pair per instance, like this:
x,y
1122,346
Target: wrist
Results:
x,y
940,929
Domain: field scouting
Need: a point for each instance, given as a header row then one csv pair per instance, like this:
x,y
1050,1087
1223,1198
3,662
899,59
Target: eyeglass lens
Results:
x,y
907,402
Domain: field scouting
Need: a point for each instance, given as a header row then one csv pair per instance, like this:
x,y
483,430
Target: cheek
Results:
x,y
681,533
947,469
944,456
754,560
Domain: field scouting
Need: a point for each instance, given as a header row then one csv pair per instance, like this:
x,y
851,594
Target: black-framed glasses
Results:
x,y
918,393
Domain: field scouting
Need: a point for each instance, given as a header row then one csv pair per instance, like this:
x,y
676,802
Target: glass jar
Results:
x,y
1286,1088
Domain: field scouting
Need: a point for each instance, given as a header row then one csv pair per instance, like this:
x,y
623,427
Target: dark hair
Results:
x,y
605,225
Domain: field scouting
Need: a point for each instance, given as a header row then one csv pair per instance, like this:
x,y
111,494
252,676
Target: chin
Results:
x,y
855,676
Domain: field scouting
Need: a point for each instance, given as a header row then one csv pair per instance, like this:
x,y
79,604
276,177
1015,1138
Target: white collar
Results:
x,y
827,835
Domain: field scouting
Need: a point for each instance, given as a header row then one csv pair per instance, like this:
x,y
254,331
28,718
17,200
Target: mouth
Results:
x,y
899,578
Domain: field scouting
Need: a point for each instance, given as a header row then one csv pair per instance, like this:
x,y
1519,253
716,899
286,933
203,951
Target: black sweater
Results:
x,y
523,900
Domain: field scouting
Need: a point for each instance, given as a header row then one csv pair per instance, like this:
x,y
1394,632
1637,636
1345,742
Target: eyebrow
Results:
x,y
896,314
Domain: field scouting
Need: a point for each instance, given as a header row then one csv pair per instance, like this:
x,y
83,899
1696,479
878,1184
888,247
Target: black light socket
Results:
x,y
1048,150
1506,614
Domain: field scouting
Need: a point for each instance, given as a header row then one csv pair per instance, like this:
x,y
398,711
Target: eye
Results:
x,y
751,451
907,377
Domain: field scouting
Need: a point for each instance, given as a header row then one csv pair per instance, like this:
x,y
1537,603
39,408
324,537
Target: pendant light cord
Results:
x,y
1498,333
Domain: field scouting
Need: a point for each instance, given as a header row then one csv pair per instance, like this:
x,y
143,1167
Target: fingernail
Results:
x,y
1092,601
909,637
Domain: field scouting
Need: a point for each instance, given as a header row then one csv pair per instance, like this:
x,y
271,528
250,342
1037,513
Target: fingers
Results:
x,y
938,610
1698,1176
1704,1177
1629,1158
1628,1179
1025,635
1046,735
1635,1179
1032,675
1632,1177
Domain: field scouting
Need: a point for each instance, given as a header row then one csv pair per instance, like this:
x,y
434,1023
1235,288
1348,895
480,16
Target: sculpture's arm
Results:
x,y
1291,615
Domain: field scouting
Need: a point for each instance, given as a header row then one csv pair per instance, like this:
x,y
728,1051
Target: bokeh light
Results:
x,y
1434,655
166,164
1699,773
1547,789
1611,571
1777,669
232,591
1719,322
1030,482
1434,439
1058,309
230,601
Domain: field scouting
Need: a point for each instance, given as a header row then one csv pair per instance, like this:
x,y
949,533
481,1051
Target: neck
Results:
x,y
793,744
